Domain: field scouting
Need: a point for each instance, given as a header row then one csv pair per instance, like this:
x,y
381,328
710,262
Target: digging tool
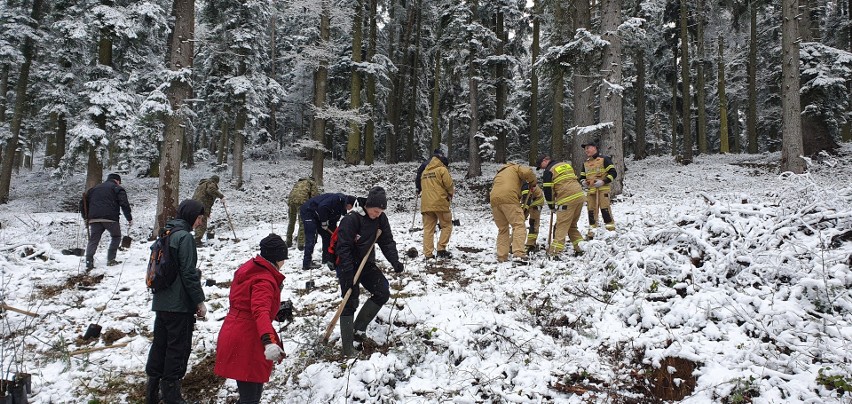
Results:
x,y
413,229
349,292
4,306
455,221
126,240
225,207
411,253
550,230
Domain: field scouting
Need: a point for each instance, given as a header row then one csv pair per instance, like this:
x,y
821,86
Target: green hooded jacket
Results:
x,y
185,293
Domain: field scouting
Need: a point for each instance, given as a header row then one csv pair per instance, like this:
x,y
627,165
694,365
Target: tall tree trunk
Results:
x,y
791,111
95,167
846,131
501,90
222,148
28,52
673,115
239,137
50,141
320,90
353,146
557,126
751,111
534,135
686,155
180,52
370,128
414,79
639,150
723,99
701,92
610,93
4,89
474,169
272,126
734,129
584,93
436,88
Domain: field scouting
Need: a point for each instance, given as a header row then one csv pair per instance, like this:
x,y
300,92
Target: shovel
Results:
x,y
236,240
413,229
126,240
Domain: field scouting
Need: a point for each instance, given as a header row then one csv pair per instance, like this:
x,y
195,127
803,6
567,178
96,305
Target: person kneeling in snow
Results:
x,y
355,236
247,345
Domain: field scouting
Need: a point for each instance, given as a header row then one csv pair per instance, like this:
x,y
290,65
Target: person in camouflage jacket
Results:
x,y
206,192
304,189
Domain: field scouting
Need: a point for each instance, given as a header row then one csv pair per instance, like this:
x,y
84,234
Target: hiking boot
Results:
x,y
90,264
610,226
531,248
112,263
347,335
300,247
520,261
444,254
428,257
171,392
311,266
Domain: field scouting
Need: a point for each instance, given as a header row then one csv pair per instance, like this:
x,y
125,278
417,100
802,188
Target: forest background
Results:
x,y
144,87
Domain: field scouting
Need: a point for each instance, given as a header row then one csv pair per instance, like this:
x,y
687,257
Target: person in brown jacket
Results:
x,y
507,211
436,193
206,192
598,173
564,195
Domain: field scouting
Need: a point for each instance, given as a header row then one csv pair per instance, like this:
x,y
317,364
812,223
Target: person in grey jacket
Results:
x,y
174,307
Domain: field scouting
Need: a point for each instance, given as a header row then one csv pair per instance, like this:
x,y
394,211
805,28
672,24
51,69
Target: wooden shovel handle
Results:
x,y
5,306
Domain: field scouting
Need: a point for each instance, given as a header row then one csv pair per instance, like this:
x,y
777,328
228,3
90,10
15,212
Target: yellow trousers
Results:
x,y
507,215
430,220
566,223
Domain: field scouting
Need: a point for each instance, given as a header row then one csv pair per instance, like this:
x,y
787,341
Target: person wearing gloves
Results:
x,y
319,216
564,195
174,307
505,198
598,173
248,346
356,235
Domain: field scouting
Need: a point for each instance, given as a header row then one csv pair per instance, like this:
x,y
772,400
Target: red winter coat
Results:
x,y
255,297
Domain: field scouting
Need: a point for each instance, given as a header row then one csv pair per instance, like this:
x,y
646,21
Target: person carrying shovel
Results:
x,y
437,190
319,216
532,200
598,173
100,208
506,209
564,196
359,231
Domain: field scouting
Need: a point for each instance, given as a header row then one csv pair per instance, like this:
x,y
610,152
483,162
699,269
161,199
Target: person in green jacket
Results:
x,y
206,192
175,310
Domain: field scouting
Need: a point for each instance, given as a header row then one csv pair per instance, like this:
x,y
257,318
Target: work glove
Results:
x,y
552,206
324,225
273,352
201,310
398,267
598,183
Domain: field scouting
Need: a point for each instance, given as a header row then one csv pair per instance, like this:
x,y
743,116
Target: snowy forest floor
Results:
x,y
724,282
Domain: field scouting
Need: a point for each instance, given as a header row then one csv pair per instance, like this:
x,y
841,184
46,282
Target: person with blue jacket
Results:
x,y
320,215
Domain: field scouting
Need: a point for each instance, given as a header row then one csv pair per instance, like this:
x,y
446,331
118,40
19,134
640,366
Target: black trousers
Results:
x,y
249,392
96,230
169,353
372,279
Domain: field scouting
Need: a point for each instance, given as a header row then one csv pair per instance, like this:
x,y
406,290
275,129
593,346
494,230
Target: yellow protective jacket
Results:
x,y
598,167
437,187
508,182
560,184
531,198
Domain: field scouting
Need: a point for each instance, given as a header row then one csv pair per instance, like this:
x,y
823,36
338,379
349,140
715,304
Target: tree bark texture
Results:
x,y
534,135
353,146
501,89
584,90
320,90
686,154
370,128
610,92
700,90
641,121
751,111
180,53
723,99
474,168
791,149
414,80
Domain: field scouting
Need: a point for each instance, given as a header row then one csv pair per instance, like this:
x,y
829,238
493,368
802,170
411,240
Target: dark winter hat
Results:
x,y
540,160
377,198
441,150
114,176
350,200
189,210
592,143
273,248
215,178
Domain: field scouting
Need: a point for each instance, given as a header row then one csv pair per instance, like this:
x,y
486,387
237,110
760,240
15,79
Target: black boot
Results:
x,y
171,392
152,390
346,335
368,312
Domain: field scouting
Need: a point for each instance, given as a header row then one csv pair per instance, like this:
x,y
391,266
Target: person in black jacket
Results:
x,y
355,236
319,217
99,207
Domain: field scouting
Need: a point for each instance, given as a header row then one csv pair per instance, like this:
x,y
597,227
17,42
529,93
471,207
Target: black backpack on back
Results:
x,y
163,264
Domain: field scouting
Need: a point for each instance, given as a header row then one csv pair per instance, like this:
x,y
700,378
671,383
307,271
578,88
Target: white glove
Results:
x,y
598,183
201,310
273,352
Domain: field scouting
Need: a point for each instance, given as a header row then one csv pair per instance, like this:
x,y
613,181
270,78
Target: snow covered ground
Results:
x,y
724,282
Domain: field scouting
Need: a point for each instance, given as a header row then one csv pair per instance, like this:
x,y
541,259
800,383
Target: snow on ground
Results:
x,y
725,282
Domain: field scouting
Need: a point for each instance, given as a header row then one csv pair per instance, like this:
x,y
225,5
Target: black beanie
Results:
x,y
189,210
114,176
350,200
376,198
273,248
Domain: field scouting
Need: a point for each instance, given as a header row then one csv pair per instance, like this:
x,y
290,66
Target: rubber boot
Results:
x,y
171,392
368,312
152,390
346,335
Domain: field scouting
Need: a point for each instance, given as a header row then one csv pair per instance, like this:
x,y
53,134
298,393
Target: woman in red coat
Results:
x,y
247,344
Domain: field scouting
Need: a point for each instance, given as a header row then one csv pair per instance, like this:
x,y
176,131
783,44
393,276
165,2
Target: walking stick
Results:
x,y
349,292
550,229
229,220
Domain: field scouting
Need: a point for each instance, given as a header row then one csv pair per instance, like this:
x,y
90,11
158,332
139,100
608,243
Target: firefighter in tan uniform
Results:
x,y
564,195
598,173
437,191
304,189
507,211
532,200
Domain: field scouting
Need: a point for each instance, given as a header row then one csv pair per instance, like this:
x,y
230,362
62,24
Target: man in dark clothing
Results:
x,y
174,307
99,207
206,192
320,215
357,233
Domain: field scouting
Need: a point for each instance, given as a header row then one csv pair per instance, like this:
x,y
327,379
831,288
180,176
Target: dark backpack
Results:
x,y
163,264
